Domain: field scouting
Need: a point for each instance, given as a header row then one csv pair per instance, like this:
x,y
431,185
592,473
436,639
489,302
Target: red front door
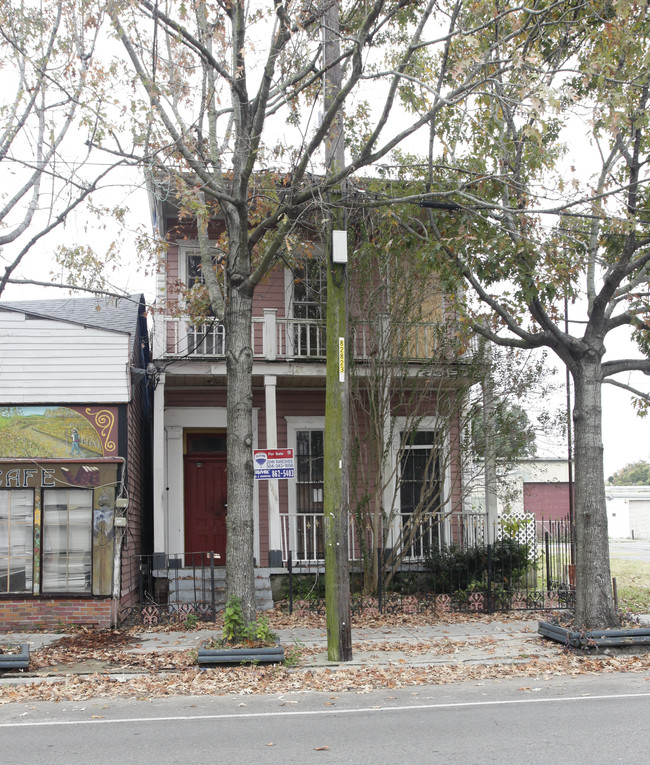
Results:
x,y
205,506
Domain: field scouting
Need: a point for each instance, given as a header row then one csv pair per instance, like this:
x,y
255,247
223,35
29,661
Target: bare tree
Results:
x,y
53,103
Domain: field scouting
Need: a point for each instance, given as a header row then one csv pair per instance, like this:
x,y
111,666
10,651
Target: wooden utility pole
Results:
x,y
336,467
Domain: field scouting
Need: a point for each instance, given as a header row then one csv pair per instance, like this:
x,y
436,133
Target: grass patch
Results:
x,y
632,584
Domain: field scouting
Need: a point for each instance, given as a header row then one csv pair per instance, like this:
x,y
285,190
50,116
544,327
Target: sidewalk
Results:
x,y
465,643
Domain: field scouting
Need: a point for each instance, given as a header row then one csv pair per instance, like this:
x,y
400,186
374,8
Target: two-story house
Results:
x,y
288,340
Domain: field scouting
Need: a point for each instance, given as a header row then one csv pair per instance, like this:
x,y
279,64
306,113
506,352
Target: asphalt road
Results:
x,y
584,719
630,549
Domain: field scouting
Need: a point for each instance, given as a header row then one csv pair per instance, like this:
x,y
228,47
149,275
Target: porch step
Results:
x,y
189,586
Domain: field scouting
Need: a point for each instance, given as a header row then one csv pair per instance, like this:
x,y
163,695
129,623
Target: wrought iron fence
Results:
x,y
175,587
464,574
529,567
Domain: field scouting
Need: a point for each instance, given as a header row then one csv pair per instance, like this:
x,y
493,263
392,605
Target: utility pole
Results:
x,y
336,464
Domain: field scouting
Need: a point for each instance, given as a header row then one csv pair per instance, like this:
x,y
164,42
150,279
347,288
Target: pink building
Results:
x,y
190,424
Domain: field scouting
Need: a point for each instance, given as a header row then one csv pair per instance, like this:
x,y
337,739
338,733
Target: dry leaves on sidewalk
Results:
x,y
279,680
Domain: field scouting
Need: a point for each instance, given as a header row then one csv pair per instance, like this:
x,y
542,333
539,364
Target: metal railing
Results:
x,y
175,586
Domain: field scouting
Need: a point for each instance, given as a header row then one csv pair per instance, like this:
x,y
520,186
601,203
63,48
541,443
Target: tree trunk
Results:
x,y
594,598
240,576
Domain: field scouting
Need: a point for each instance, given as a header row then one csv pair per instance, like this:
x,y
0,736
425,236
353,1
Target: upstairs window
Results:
x,y
309,299
204,338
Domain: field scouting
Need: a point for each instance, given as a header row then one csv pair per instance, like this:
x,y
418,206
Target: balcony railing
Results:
x,y
303,535
275,337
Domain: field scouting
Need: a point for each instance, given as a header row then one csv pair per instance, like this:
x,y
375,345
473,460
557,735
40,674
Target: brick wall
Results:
x,y
23,614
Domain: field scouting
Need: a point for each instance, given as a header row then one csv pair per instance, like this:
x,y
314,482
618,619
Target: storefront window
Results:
x,y
67,540
16,540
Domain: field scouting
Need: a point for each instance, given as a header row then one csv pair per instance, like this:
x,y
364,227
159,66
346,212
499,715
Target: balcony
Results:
x,y
280,338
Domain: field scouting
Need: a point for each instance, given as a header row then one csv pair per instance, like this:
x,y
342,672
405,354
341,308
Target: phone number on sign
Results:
x,y
274,473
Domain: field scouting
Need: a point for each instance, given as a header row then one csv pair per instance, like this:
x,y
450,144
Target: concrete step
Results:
x,y
186,586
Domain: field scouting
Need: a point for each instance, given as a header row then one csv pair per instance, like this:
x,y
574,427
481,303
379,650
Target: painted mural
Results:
x,y
57,432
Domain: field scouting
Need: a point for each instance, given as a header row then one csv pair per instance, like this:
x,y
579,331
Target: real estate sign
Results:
x,y
273,463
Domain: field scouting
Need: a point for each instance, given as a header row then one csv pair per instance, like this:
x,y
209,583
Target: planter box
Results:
x,y
15,659
267,655
594,638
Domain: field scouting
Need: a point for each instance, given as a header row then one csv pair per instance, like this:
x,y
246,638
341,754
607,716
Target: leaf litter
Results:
x,y
174,673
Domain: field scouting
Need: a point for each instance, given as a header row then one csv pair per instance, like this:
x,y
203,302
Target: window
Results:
x,y
309,298
16,540
206,443
420,491
194,274
206,338
309,494
67,540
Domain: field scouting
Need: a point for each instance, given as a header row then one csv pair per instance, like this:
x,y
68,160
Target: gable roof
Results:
x,y
110,314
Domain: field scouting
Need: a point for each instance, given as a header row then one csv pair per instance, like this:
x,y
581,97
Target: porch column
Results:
x,y
270,337
159,474
275,533
175,491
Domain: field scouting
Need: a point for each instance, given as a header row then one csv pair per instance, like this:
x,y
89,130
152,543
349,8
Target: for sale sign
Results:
x,y
273,463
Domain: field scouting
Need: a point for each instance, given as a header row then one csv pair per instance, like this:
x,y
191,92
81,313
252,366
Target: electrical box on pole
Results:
x,y
339,246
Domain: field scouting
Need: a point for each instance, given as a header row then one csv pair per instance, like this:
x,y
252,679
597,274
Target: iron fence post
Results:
x,y
380,580
547,546
290,567
488,601
141,583
212,597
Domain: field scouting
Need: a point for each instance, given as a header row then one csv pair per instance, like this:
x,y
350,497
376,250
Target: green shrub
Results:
x,y
236,630
305,587
453,568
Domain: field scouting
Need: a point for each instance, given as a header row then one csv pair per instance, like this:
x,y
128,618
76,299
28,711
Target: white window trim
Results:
x,y
294,424
185,248
289,283
432,423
